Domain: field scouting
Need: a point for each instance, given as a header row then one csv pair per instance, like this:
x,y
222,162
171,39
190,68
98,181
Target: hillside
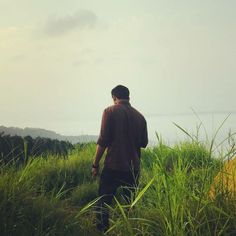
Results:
x,y
58,196
37,132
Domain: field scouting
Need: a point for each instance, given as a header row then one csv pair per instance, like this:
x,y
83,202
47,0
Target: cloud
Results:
x,y
81,19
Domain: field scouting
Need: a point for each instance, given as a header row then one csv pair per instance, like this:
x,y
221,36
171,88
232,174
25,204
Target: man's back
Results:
x,y
123,132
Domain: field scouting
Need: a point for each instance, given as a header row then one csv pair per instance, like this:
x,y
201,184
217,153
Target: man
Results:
x,y
123,133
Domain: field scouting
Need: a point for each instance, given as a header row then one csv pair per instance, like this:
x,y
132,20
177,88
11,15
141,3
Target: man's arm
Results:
x,y
104,138
144,141
99,152
103,141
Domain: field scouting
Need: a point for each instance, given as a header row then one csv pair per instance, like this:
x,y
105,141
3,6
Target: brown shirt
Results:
x,y
123,133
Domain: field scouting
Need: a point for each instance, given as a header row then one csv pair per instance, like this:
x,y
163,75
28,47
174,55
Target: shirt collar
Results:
x,y
124,102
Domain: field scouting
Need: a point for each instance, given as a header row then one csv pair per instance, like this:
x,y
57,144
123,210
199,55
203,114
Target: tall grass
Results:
x,y
57,196
40,198
177,202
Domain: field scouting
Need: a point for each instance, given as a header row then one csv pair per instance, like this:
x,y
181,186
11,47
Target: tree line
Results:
x,y
19,149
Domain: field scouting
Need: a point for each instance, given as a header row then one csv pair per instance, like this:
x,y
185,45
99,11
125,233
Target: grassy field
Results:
x,y
57,196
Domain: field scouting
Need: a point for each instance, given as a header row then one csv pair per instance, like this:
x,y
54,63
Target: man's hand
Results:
x,y
95,171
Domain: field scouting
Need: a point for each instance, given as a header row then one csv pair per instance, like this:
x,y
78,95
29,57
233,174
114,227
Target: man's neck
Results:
x,y
123,101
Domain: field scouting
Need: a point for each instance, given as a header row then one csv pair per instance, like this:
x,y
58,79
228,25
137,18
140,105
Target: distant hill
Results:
x,y
37,132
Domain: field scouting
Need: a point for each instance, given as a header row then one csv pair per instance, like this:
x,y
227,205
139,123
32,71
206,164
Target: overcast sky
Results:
x,y
59,60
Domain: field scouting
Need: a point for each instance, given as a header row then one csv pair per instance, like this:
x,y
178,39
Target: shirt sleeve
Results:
x,y
104,139
144,139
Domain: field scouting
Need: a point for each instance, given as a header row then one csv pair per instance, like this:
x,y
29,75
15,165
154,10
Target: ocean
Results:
x,y
204,125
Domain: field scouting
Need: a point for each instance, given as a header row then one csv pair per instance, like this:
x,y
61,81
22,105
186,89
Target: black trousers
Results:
x,y
110,181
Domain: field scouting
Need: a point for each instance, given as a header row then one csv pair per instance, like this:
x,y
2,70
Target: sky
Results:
x,y
59,61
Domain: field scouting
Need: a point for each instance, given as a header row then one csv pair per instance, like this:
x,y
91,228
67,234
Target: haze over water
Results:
x,y
210,123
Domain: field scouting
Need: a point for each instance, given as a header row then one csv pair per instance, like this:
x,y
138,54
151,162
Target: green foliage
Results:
x,y
84,193
57,196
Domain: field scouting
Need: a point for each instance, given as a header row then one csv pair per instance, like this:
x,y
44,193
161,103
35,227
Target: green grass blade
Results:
x,y
182,129
139,196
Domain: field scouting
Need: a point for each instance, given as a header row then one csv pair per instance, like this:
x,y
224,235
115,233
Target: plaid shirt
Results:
x,y
123,133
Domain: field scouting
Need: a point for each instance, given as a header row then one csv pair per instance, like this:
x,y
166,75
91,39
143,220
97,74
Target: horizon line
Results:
x,y
193,113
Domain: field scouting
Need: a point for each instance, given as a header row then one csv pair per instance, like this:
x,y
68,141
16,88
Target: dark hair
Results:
x,y
121,92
